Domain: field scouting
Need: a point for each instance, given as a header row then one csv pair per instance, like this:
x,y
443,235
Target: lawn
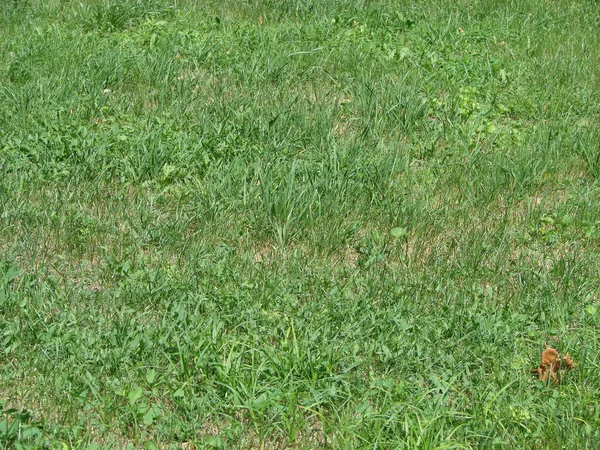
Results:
x,y
299,224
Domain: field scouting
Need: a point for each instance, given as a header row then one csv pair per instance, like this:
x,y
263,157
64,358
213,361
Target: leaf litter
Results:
x,y
551,364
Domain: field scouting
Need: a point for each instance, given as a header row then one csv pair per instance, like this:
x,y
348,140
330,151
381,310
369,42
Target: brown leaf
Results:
x,y
568,362
550,365
550,357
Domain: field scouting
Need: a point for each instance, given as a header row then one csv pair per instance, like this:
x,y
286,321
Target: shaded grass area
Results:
x,y
298,224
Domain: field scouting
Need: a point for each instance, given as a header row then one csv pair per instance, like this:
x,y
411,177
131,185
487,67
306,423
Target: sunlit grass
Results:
x,y
298,224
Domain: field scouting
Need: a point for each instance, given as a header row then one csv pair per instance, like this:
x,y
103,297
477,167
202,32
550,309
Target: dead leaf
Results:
x,y
568,362
550,356
550,365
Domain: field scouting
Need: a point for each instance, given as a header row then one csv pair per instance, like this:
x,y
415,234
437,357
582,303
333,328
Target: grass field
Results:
x,y
298,223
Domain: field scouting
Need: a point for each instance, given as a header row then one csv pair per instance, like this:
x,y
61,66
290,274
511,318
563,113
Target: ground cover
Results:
x,y
298,224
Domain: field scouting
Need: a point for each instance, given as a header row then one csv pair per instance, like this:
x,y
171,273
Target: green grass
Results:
x,y
298,224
